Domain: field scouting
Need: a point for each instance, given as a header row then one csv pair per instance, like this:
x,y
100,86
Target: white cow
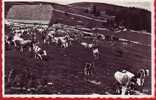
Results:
x,y
17,38
125,78
39,53
96,53
21,43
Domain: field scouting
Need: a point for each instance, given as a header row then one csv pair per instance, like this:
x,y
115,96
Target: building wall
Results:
x,y
38,12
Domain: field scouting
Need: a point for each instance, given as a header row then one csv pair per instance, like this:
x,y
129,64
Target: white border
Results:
x,y
82,96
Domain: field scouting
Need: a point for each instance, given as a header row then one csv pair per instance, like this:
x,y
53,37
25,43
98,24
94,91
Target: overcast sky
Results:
x,y
145,4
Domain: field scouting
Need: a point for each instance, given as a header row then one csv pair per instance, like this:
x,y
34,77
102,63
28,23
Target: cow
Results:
x,y
123,78
8,42
140,77
130,82
49,38
26,44
39,53
96,53
62,41
17,37
21,43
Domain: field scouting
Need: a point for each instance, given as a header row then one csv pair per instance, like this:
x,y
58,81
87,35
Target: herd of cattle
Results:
x,y
27,38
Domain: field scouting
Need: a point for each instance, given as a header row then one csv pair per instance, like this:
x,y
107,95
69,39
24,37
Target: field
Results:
x,y
62,73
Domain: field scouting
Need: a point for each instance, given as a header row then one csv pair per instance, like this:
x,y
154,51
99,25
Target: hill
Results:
x,y
86,14
133,18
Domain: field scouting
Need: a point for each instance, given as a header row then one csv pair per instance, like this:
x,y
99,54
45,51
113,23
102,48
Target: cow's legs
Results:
x,y
35,56
14,44
40,56
21,49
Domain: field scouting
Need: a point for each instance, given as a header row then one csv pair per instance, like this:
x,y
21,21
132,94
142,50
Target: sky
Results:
x,y
145,4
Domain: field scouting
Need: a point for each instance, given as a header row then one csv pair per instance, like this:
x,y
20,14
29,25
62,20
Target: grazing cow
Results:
x,y
26,44
39,53
123,78
130,82
21,43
